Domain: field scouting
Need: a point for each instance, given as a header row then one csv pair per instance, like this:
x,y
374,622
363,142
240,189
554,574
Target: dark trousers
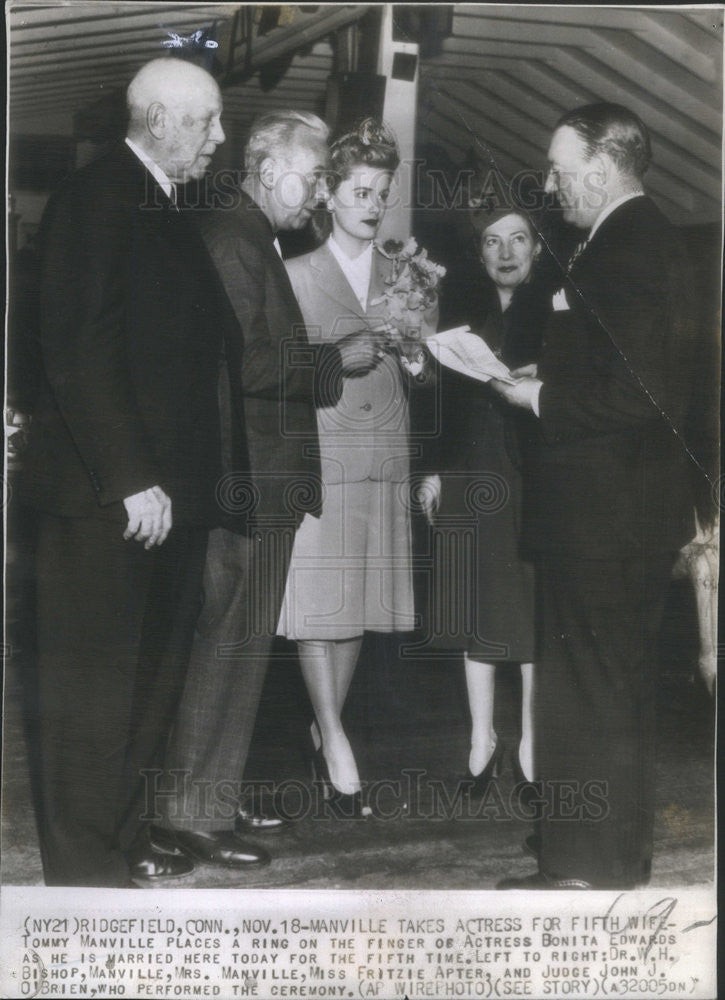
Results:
x,y
595,715
244,581
114,628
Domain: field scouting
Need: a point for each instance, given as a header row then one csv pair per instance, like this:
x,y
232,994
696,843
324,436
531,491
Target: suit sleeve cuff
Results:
x,y
329,376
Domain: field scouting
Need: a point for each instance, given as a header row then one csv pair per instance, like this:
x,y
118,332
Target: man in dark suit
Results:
x,y
610,502
120,468
268,395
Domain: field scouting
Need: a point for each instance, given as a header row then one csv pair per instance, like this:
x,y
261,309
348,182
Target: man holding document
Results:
x,y
610,503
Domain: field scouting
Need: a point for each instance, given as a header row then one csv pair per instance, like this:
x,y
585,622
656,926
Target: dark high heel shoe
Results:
x,y
476,786
317,764
309,752
343,805
346,805
321,775
527,792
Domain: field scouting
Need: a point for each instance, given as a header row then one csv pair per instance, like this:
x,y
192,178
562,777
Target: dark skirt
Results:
x,y
477,591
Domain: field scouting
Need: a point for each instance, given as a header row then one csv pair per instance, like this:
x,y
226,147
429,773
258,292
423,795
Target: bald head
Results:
x,y
174,116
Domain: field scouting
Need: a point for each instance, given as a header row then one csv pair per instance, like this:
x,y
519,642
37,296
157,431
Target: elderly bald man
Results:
x,y
121,466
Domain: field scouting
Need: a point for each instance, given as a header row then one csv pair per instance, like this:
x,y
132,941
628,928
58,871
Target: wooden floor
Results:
x,y
407,721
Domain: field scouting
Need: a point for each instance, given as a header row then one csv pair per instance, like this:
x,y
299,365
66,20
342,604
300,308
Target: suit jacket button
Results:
x,y
366,406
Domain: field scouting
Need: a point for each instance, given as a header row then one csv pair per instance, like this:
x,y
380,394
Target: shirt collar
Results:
x,y
605,213
339,253
167,186
359,264
357,270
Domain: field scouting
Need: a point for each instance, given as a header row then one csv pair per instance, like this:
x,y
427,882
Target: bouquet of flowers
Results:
x,y
412,291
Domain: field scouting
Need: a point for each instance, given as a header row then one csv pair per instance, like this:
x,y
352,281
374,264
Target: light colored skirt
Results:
x,y
351,568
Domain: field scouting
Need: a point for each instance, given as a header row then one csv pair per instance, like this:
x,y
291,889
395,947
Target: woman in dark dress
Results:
x,y
483,600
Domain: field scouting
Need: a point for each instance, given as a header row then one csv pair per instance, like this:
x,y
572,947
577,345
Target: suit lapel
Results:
x,y
607,234
264,240
378,274
332,282
150,196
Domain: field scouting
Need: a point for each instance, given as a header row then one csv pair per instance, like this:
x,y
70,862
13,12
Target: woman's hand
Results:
x,y
362,350
428,496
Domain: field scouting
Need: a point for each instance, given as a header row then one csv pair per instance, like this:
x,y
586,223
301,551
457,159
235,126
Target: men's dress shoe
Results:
x,y
218,847
541,881
149,862
254,821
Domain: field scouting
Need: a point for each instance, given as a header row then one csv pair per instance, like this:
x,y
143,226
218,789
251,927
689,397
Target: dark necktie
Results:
x,y
581,245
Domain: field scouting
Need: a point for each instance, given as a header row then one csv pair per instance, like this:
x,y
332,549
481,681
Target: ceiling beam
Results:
x,y
534,154
103,44
298,35
32,14
634,60
568,89
481,127
691,173
567,92
65,23
49,64
612,86
102,75
625,53
664,30
510,116
451,132
601,83
710,20
481,46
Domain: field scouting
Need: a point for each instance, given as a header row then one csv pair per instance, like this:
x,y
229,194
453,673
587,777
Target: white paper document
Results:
x,y
464,352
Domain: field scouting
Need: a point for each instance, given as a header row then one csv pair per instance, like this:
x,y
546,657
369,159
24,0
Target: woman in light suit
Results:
x,y
351,568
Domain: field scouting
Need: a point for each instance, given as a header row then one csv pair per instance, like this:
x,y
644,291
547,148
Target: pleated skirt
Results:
x,y
351,568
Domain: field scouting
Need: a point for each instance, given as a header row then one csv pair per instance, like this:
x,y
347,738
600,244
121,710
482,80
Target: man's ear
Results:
x,y
156,119
601,166
268,172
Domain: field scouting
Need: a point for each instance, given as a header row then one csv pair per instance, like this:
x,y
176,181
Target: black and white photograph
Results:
x,y
361,500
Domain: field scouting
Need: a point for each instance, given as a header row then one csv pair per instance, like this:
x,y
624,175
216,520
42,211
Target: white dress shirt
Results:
x,y
357,270
167,186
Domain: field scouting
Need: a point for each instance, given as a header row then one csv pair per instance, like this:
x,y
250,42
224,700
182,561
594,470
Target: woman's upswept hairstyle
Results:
x,y
371,143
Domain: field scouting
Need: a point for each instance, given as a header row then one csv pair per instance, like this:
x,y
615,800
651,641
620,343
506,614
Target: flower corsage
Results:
x,y
409,299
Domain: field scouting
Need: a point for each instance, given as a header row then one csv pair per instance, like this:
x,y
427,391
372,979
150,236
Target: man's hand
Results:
x,y
524,393
362,350
149,517
525,370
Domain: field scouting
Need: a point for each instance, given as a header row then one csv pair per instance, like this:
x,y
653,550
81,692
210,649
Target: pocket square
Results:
x,y
559,301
